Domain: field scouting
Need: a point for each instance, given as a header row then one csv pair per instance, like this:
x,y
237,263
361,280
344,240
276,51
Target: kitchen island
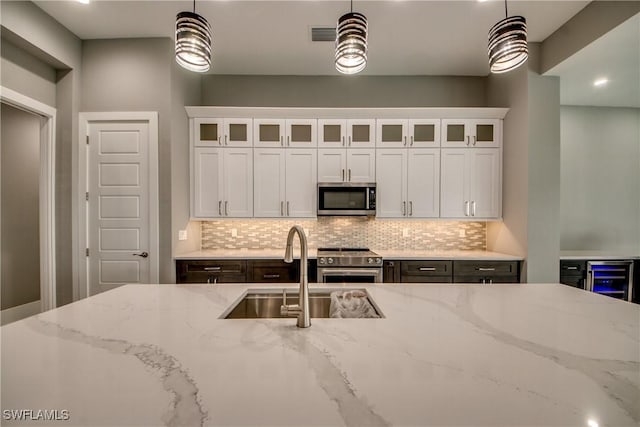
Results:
x,y
472,355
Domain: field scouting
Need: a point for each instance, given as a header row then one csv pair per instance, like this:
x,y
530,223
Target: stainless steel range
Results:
x,y
349,265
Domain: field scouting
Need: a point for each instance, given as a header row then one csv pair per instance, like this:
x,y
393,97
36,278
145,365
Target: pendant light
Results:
x,y
508,43
351,42
193,41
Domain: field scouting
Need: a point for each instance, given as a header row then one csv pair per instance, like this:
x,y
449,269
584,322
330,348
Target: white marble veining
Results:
x,y
465,355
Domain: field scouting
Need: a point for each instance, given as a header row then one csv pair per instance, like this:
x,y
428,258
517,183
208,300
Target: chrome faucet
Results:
x,y
302,308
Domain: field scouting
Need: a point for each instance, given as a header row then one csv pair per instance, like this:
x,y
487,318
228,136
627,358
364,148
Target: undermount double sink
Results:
x,y
266,303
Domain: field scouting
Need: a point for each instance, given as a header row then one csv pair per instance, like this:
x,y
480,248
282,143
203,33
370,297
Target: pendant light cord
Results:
x,y
351,5
506,13
194,5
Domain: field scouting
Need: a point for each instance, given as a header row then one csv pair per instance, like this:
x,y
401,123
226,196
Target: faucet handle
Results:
x,y
284,297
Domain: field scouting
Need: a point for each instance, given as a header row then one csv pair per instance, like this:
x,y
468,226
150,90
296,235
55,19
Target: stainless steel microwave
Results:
x,y
346,199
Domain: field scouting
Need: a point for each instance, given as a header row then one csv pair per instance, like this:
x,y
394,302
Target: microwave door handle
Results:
x,y
367,200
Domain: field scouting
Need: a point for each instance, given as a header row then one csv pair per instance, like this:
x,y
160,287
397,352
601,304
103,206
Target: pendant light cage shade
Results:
x,y
508,44
193,42
351,43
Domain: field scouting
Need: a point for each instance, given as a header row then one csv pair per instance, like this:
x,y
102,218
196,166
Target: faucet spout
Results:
x,y
301,310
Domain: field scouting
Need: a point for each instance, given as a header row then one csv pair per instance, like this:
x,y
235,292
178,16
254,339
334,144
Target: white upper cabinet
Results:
x,y
352,133
279,133
471,133
285,183
471,185
269,132
413,133
223,132
223,183
408,183
346,165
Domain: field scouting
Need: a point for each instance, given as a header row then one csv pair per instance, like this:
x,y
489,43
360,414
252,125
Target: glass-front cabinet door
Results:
x,y
332,133
423,133
471,132
361,133
391,133
269,132
217,132
301,133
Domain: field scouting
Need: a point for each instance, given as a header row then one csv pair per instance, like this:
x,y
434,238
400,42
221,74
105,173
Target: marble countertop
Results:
x,y
385,253
597,255
463,355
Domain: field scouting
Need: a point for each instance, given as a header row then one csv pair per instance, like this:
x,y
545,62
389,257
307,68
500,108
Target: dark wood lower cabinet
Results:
x,y
241,271
211,271
573,273
486,272
426,271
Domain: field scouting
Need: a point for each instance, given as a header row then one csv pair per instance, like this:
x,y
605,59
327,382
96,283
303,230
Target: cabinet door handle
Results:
x,y
412,140
343,174
349,177
466,208
405,141
404,208
288,141
349,140
486,269
473,208
474,140
270,276
468,139
571,268
220,207
226,140
220,140
427,269
287,208
410,208
281,141
343,140
226,208
281,208
212,268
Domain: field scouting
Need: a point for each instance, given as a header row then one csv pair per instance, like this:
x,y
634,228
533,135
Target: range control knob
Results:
x,y
378,260
322,261
370,260
329,260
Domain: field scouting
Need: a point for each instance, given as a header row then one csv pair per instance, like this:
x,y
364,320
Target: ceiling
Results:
x,y
614,56
273,37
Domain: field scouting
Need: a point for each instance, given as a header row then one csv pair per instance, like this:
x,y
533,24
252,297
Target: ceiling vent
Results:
x,y
323,34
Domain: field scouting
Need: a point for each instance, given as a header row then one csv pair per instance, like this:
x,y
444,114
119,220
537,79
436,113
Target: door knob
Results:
x,y
142,254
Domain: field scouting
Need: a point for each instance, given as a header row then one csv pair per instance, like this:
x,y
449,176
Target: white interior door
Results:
x,y
122,231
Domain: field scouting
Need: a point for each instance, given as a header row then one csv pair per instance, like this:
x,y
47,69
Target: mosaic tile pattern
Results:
x,y
348,232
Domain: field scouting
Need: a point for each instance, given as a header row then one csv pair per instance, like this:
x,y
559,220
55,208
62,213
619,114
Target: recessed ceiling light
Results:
x,y
600,82
83,1
592,423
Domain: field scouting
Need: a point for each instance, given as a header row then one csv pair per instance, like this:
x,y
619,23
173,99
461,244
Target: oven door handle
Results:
x,y
349,272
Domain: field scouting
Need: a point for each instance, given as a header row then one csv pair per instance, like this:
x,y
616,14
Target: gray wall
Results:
x,y
531,169
600,180
34,32
141,75
27,74
343,91
20,206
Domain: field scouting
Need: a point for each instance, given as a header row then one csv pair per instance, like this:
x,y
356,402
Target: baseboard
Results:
x,y
19,312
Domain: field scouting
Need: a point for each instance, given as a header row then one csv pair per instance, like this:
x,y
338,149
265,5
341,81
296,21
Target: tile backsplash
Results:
x,y
347,232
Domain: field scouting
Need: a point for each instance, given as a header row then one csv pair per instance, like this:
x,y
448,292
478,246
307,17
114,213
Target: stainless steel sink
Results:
x,y
265,304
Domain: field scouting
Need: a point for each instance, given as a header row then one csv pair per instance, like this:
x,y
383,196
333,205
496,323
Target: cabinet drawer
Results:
x,y
391,272
273,271
573,268
211,271
426,268
485,268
